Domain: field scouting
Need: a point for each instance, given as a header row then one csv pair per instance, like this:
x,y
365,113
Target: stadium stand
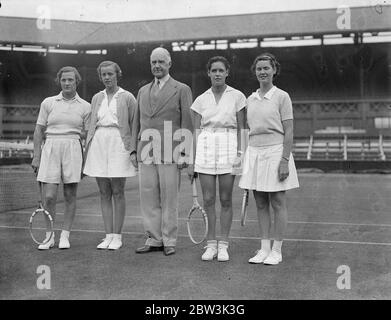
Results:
x,y
340,92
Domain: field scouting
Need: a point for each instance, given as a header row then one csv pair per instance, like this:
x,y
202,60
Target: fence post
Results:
x,y
1,121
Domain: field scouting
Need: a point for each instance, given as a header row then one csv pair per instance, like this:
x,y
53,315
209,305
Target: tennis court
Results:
x,y
335,220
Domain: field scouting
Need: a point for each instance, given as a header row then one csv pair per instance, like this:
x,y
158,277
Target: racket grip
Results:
x,y
194,185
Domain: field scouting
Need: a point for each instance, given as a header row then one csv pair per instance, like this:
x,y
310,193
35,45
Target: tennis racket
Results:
x,y
197,220
243,212
39,222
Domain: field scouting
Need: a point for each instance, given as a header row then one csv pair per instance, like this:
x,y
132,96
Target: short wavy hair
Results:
x,y
267,57
108,63
68,69
218,59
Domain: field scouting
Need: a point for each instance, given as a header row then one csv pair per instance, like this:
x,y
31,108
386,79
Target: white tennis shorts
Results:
x,y
61,160
216,151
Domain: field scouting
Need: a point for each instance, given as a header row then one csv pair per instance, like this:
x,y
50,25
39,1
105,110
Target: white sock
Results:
x,y
212,243
277,246
117,235
48,234
64,233
265,245
224,243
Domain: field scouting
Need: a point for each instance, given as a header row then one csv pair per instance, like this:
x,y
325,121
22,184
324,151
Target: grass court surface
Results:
x,y
334,220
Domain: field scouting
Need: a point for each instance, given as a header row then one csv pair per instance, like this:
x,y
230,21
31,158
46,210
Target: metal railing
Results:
x,y
344,148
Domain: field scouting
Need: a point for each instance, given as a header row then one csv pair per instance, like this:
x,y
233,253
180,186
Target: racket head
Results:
x,y
243,211
197,224
40,213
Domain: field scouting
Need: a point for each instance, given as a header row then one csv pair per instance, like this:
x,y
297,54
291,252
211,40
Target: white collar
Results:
x,y
268,95
120,90
61,97
227,89
163,80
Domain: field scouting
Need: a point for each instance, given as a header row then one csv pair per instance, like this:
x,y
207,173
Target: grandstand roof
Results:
x,y
72,34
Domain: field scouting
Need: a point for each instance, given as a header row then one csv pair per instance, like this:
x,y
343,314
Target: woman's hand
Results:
x,y
283,169
35,164
190,173
237,164
133,159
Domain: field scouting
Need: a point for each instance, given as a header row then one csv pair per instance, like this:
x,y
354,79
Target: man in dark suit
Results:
x,y
162,133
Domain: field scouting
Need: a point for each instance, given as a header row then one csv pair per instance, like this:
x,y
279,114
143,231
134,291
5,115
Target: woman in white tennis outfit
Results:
x,y
61,125
218,120
268,166
108,150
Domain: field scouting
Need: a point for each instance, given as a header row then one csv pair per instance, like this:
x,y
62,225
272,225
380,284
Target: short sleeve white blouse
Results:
x,y
221,114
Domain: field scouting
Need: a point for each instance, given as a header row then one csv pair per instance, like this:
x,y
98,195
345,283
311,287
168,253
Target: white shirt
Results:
x,y
221,114
162,81
265,115
107,113
61,116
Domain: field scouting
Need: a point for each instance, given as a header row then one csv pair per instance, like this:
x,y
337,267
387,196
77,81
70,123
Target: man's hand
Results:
x,y
133,159
183,162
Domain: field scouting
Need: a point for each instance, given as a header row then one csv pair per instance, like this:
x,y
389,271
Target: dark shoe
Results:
x,y
169,250
146,249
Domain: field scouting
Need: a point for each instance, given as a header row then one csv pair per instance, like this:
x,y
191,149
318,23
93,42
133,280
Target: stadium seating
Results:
x,y
342,147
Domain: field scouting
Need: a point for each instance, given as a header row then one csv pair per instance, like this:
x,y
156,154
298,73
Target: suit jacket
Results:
x,y
154,126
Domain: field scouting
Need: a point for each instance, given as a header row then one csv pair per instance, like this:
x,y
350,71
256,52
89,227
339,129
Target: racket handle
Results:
x,y
194,185
40,200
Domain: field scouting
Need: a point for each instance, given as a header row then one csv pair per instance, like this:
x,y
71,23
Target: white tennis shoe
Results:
x,y
222,251
47,245
64,243
259,257
211,251
273,258
106,242
116,243
64,240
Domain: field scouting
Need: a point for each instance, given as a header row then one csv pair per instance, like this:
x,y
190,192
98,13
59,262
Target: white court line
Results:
x,y
232,237
235,220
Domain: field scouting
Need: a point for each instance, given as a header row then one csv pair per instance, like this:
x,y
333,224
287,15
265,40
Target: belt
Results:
x,y
107,127
219,129
63,136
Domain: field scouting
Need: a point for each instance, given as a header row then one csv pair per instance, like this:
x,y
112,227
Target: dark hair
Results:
x,y
108,63
267,57
217,59
68,69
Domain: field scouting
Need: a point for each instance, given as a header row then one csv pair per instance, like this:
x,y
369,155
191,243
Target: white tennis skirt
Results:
x,y
107,156
216,151
61,160
260,170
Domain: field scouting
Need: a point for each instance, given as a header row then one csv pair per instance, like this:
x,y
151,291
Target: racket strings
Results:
x,y
40,223
197,225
